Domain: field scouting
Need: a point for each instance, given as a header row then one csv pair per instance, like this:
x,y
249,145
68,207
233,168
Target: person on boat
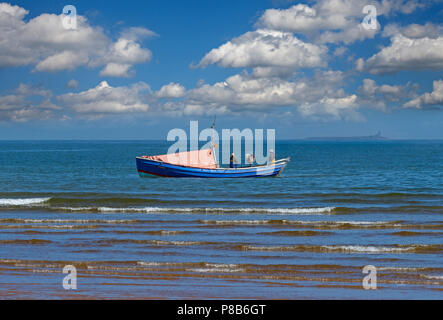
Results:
x,y
271,156
250,159
233,161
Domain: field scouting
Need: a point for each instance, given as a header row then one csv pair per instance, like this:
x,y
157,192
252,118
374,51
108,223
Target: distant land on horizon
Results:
x,y
374,137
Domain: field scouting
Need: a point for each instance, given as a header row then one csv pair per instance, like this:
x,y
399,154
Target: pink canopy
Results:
x,y
197,159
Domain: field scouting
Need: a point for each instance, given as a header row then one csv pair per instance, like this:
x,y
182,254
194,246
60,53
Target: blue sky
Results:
x,y
136,69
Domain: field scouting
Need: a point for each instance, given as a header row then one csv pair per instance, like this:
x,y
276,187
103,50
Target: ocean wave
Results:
x,y
215,270
199,267
113,221
153,242
281,211
422,248
318,224
433,277
22,202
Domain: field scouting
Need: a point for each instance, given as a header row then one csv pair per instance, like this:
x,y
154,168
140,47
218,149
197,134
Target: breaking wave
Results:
x,y
346,248
282,211
22,202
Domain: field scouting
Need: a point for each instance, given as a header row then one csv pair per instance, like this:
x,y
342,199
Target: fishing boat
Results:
x,y
202,164
179,165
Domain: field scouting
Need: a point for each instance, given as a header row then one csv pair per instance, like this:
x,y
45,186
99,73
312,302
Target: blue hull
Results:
x,y
147,167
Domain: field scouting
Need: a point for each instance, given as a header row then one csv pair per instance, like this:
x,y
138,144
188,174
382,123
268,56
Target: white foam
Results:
x,y
82,221
215,270
302,222
235,221
175,243
289,210
22,202
206,268
159,210
332,248
151,264
367,249
432,277
308,211
405,269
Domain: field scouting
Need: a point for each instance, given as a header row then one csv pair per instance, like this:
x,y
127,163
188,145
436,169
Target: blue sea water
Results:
x,y
307,234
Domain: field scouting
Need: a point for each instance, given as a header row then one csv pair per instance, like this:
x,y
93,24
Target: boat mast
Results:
x,y
212,141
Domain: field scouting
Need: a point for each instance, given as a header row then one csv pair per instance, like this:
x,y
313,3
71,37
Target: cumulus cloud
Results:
x,y
324,15
27,103
275,50
340,51
66,60
434,98
266,48
116,70
45,43
414,31
406,54
283,42
28,90
105,99
72,84
379,96
35,103
331,21
125,53
171,90
302,18
318,96
337,108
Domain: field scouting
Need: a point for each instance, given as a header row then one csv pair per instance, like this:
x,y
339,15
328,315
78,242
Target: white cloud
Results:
x,y
66,60
340,51
271,72
28,90
273,50
406,54
373,95
266,48
302,18
171,90
48,105
43,42
105,99
332,21
370,88
414,31
434,98
26,103
116,70
318,96
348,35
337,108
125,53
72,84
137,33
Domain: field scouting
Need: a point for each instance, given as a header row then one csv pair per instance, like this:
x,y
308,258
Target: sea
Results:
x,y
345,220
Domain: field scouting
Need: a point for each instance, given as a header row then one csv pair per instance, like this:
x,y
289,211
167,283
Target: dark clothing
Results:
x,y
233,162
